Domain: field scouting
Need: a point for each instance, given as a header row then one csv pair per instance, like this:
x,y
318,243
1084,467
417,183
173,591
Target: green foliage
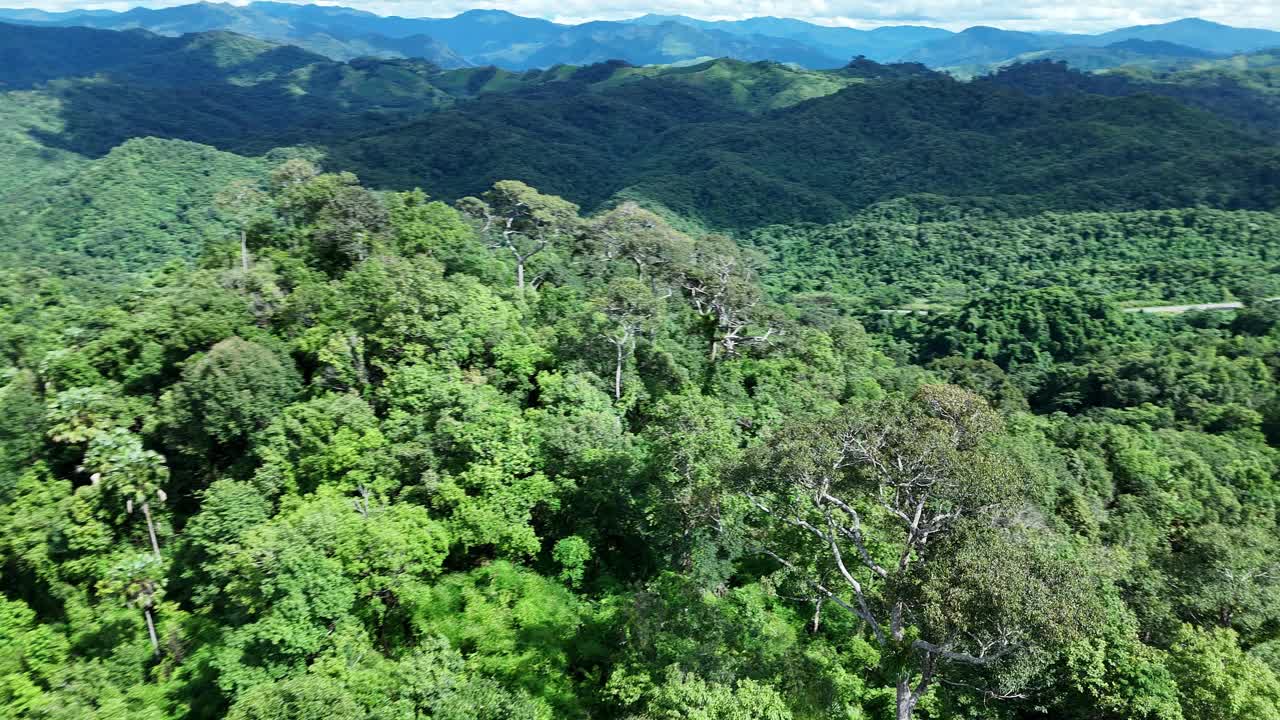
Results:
x,y
142,205
572,553
513,625
307,697
928,251
710,162
399,459
1026,327
1220,681
231,392
685,696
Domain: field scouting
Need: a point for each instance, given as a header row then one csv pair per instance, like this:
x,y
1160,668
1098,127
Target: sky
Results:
x,y
1066,16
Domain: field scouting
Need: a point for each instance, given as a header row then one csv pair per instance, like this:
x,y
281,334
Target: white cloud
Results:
x,y
1079,16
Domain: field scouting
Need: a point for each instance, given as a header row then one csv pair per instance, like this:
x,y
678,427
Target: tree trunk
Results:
x,y
909,696
151,529
151,629
617,375
244,251
906,698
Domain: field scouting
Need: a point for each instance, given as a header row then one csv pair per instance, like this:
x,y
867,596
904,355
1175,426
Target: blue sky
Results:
x,y
1072,15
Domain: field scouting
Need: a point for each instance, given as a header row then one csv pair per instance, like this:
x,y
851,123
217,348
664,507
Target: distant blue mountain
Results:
x,y
474,37
884,44
1161,48
339,33
1199,34
496,37
988,45
983,45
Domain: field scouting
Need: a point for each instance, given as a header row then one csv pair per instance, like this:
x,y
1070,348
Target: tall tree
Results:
x,y
123,466
720,283
139,581
919,517
521,220
242,202
642,238
631,309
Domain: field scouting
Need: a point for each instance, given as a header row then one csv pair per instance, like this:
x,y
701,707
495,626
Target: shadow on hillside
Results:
x,y
988,143
1223,96
224,107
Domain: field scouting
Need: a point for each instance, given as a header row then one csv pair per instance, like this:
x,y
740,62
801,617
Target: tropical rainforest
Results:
x,y
375,389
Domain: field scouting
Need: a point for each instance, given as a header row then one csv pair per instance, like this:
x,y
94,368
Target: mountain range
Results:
x,y
1188,38
722,142
503,39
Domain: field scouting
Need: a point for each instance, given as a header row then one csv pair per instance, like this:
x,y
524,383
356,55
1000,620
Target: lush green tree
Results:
x,y
123,468
243,203
522,221
1218,680
420,225
515,624
682,695
330,214
305,697
908,502
332,561
693,442
631,309
231,392
1229,576
631,233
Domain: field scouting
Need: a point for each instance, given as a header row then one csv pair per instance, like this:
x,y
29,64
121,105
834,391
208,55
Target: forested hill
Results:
x,y
34,55
927,134
727,144
373,459
1241,89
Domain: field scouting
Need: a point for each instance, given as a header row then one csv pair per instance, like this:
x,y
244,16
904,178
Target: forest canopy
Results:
x,y
385,427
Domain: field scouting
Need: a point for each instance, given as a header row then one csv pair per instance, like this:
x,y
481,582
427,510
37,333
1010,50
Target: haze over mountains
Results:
x,y
494,37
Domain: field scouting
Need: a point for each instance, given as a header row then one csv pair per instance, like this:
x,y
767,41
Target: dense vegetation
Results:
x,y
1240,89
900,253
920,134
723,143
807,395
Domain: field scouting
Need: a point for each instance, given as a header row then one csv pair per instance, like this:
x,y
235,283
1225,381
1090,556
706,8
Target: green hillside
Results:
x,y
1246,86
1130,54
699,156
26,160
142,205
930,251
216,88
